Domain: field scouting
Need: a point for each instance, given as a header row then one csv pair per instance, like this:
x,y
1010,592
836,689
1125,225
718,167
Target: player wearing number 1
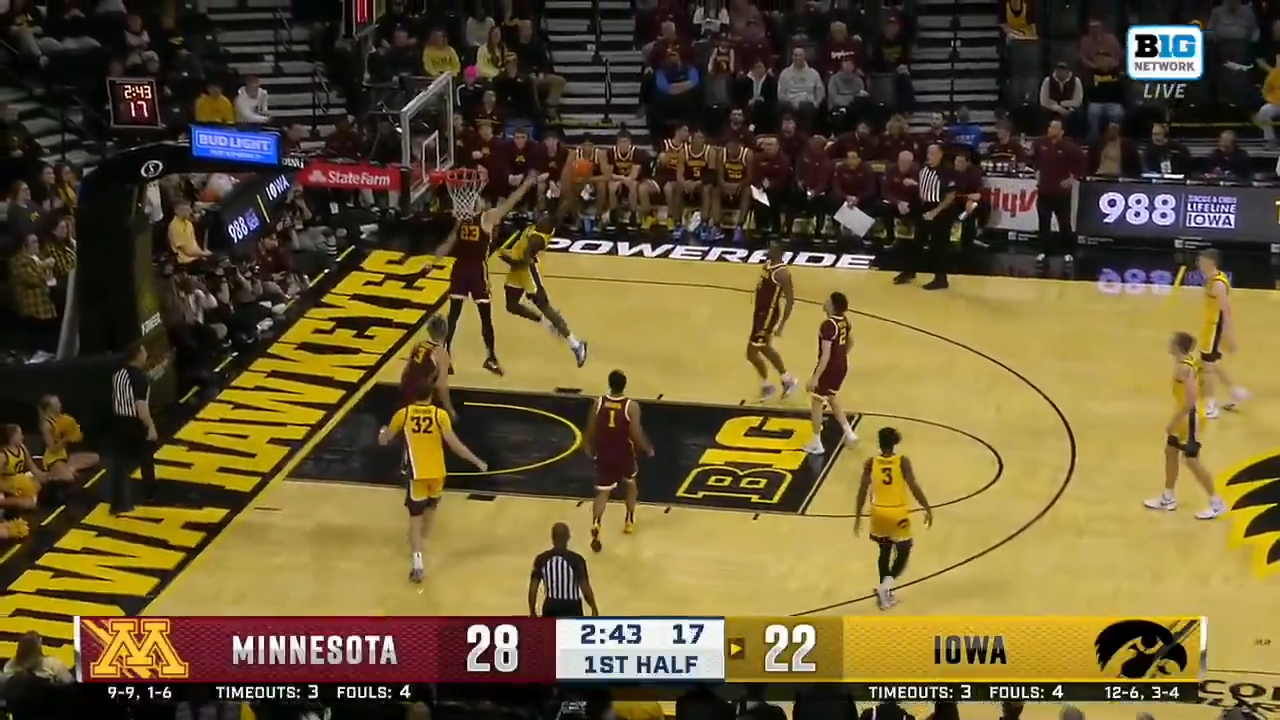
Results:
x,y
427,429
612,438
888,477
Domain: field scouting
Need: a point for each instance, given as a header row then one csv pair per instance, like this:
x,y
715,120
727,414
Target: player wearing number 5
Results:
x,y
888,477
835,339
612,438
427,429
1218,334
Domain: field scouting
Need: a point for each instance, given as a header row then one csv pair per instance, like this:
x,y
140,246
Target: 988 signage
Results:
x,y
1159,210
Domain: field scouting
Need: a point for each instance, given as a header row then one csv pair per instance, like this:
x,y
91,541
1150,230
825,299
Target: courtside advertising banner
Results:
x,y
1013,203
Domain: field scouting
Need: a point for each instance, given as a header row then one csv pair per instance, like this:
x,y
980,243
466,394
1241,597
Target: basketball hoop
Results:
x,y
464,185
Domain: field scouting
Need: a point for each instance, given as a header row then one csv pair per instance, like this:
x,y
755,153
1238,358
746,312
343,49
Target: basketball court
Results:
x,y
1032,410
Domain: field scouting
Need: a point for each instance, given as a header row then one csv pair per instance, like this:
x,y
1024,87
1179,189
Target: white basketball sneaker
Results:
x,y
1164,502
1238,395
814,446
1216,507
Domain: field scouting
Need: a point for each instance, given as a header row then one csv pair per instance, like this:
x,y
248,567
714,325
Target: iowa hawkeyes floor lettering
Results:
x,y
1070,436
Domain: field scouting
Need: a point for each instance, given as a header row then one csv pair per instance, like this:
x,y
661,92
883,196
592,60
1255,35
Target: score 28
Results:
x,y
505,642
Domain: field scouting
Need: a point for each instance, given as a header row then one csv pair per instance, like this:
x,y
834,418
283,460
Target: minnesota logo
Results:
x,y
128,648
1142,649
1253,494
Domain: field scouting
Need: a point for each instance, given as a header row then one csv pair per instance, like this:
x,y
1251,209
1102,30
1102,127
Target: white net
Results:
x,y
464,186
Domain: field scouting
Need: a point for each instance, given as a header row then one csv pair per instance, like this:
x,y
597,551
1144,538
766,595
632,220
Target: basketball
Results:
x,y
582,168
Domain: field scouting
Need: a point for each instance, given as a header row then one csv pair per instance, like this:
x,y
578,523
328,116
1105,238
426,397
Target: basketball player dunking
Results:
x,y
423,375
524,280
1218,334
613,435
1183,433
469,245
888,477
774,300
427,429
834,343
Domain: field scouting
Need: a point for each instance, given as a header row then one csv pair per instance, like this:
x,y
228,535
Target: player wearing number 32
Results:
x,y
1218,334
612,438
835,340
427,429
888,477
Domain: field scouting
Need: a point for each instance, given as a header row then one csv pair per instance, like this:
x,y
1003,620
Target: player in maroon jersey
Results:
x,y
421,377
612,438
834,341
774,299
469,245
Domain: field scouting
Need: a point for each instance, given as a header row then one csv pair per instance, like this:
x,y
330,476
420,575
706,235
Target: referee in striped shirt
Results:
x,y
563,573
133,430
937,188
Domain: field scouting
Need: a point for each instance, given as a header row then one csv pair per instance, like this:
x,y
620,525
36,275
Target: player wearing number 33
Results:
x,y
427,429
1218,334
612,438
888,477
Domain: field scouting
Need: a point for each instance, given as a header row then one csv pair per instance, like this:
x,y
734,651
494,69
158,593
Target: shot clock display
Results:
x,y
135,103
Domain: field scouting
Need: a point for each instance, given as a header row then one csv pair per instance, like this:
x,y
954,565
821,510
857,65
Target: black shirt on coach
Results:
x,y
935,183
562,572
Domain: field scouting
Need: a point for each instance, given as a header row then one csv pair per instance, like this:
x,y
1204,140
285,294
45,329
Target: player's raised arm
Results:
x,y
788,295
589,435
446,247
393,428
909,477
637,432
864,489
491,217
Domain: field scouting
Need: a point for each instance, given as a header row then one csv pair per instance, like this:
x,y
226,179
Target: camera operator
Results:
x,y
313,245
183,306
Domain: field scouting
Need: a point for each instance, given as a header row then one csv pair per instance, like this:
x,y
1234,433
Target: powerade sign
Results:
x,y
1168,53
243,146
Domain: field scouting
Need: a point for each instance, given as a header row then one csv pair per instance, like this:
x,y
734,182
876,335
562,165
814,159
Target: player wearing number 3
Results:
x,y
427,429
888,477
612,438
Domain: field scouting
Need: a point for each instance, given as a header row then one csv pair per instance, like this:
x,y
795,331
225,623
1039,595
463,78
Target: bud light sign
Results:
x,y
242,146
1167,53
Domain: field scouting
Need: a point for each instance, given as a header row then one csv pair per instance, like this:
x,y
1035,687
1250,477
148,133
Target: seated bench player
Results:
x,y
695,175
732,187
625,163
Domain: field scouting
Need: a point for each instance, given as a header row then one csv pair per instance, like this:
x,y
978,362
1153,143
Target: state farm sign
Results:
x,y
336,176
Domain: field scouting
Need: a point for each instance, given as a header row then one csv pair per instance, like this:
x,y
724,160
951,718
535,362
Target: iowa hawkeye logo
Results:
x,y
1253,493
126,648
1139,649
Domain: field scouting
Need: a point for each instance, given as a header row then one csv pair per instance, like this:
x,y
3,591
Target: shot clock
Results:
x,y
135,103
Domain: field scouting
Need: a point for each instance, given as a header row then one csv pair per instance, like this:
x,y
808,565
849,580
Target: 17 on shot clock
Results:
x,y
135,103
640,649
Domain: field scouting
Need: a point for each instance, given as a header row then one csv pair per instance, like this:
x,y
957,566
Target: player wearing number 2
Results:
x,y
612,438
427,429
1218,334
835,340
888,477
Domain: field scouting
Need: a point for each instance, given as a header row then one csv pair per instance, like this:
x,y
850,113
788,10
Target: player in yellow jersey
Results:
x,y
1184,431
888,477
525,280
1217,335
427,429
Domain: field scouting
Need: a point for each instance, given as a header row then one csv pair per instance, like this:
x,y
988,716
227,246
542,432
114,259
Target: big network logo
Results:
x,y
1165,53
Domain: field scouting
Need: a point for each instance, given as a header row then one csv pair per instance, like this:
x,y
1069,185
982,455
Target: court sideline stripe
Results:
x,y
1073,448
305,449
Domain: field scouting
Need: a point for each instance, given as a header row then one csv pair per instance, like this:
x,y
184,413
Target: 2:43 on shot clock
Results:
x,y
135,102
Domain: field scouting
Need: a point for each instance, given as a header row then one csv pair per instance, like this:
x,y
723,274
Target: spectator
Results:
x,y
897,140
251,102
742,14
1062,95
402,57
813,171
438,57
824,701
1165,156
846,91
702,703
25,216
963,131
753,47
1100,50
1006,147
182,235
25,28
44,191
677,85
68,187
75,32
1270,109
637,710
1233,21
34,682
478,27
60,246
183,306
535,61
710,21
1228,159
943,710
1016,21
668,41
31,277
800,88
1100,53
214,108
1070,712
839,46
492,56
1011,710
136,42
937,134
893,55
470,95
515,92
1114,155
489,111
754,706
345,141
719,87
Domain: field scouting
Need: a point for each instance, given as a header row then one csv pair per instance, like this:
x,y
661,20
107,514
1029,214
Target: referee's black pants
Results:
x,y
553,608
931,251
131,450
